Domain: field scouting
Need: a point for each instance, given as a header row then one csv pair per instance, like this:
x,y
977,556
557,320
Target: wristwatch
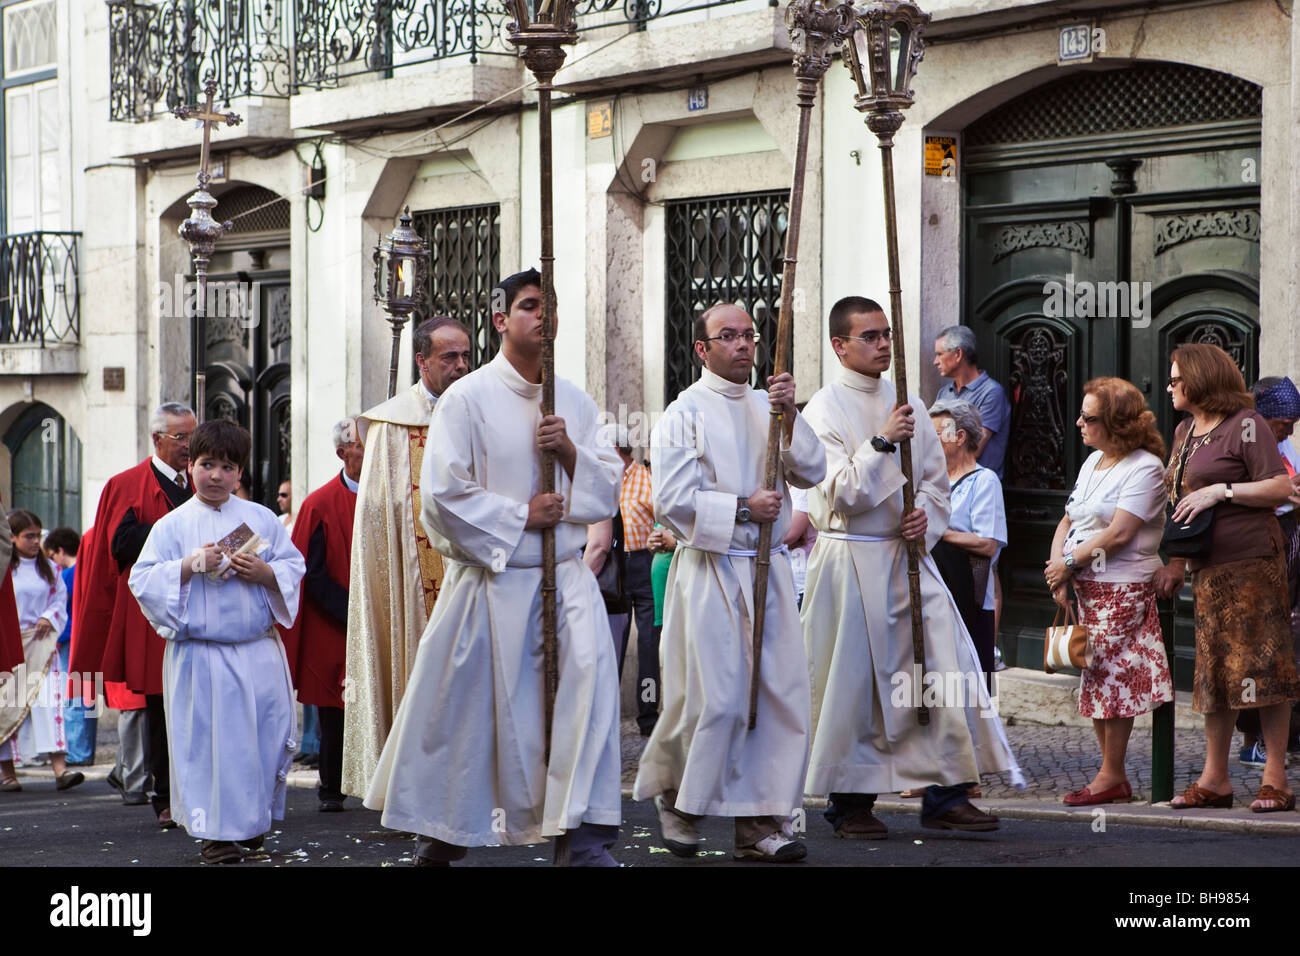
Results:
x,y
1227,492
879,444
742,509
1069,560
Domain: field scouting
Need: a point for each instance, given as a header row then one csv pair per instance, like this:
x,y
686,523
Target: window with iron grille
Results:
x,y
464,268
721,249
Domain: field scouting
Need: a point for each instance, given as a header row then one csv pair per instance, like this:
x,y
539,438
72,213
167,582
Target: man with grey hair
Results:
x,y
111,634
956,358
396,573
316,645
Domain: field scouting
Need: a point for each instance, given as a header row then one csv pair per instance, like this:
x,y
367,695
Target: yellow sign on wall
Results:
x,y
941,156
600,120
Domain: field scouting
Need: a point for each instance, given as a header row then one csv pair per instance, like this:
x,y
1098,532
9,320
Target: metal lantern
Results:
x,y
401,276
544,26
883,56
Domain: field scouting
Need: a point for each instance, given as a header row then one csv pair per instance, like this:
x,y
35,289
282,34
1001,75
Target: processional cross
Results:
x,y
201,231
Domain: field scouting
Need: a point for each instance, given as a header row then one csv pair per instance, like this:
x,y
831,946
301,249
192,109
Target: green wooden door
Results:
x,y
46,467
1109,217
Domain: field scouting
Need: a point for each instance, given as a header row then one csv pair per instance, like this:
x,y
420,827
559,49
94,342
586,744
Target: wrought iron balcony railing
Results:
x,y
160,51
38,274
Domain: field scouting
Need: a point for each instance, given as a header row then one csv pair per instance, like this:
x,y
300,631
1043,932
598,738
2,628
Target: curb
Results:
x,y
1143,814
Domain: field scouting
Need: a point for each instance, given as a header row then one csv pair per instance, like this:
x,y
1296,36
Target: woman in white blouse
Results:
x,y
42,611
1107,545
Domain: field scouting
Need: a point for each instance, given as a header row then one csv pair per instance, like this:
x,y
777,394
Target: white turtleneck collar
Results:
x,y
863,383
514,381
722,386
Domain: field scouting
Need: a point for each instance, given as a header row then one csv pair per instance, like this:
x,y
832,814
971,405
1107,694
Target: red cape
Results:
x,y
117,694
317,644
113,635
11,636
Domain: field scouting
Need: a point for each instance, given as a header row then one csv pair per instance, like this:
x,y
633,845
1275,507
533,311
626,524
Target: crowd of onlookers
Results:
x,y
1231,454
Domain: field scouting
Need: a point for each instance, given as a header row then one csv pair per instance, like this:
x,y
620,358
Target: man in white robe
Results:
x,y
228,696
395,571
464,764
856,613
707,456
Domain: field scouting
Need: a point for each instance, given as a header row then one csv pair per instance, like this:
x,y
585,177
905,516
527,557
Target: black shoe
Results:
x,y
167,823
331,806
137,799
115,782
252,844
69,779
219,851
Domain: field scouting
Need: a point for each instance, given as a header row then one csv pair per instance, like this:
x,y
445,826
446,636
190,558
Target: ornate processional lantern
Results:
x,y
883,56
202,231
541,29
401,278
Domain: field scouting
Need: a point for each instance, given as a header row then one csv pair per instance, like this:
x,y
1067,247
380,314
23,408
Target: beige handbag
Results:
x,y
1067,644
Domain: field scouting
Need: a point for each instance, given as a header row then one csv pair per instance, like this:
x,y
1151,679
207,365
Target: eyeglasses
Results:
x,y
729,336
1176,380
181,438
283,494
870,337
1089,419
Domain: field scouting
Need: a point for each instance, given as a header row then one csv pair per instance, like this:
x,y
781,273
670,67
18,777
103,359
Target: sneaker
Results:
x,y
773,849
676,832
1252,756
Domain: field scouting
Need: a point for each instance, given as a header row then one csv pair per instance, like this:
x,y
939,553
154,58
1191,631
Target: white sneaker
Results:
x,y
773,849
676,832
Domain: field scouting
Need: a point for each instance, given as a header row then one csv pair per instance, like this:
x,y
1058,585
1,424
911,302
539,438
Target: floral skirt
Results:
x,y
1129,675
1244,654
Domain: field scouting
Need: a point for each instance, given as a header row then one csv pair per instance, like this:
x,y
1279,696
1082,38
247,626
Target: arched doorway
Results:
x,y
45,456
247,343
1108,216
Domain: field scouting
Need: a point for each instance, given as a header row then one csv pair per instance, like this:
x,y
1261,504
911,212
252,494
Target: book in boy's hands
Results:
x,y
243,540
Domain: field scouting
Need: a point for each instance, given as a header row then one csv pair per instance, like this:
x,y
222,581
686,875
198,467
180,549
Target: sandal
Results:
x,y
10,786
1197,797
1278,800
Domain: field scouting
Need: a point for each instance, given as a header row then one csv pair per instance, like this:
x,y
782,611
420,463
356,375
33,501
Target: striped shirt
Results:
x,y
637,506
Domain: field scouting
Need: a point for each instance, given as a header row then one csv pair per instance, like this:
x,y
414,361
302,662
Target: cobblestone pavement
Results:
x,y
1057,760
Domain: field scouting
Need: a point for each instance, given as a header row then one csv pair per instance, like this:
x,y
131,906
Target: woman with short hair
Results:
x,y
1224,458
1107,546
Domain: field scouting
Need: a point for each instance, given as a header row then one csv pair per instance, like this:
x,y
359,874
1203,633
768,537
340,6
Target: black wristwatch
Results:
x,y
879,444
742,509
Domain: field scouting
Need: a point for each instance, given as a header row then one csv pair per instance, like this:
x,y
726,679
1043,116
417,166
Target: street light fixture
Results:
x,y
401,277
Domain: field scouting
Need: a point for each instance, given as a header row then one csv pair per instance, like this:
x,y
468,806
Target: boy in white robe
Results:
x,y
856,611
464,762
231,725
707,455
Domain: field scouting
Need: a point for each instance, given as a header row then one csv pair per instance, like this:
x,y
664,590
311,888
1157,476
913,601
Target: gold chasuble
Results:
x,y
394,582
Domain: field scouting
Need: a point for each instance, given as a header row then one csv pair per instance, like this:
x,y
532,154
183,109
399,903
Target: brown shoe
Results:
x,y
962,817
219,851
861,826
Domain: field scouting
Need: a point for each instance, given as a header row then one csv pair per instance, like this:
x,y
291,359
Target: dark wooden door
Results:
x,y
1096,254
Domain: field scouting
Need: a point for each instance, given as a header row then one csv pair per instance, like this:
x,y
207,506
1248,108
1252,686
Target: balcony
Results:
x,y
160,52
41,310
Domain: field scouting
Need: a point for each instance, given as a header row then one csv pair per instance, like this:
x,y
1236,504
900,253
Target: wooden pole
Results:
x,y
815,32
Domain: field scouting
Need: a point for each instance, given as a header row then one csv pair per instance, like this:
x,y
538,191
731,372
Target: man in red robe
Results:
x,y
113,635
317,644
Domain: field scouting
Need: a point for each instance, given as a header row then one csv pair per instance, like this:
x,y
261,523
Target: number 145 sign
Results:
x,y
1080,42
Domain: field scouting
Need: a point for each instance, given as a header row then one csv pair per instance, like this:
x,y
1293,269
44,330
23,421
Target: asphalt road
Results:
x,y
89,827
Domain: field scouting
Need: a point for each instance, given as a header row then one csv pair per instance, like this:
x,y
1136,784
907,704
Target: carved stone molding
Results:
x,y
1016,237
1239,223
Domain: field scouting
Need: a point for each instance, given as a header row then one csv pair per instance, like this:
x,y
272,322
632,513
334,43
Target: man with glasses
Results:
x,y
110,632
395,572
857,623
956,359
707,456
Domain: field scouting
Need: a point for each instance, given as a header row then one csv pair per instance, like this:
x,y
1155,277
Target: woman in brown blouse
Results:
x,y
1243,639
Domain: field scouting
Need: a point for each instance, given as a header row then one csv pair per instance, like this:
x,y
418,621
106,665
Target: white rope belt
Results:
x,y
744,553
845,536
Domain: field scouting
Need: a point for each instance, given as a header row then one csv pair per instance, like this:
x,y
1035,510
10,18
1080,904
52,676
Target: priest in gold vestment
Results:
x,y
396,574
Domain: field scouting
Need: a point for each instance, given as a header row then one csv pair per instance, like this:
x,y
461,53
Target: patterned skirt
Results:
x,y
1129,675
1244,655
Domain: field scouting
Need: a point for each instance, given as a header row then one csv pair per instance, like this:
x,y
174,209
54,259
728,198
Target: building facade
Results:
x,y
1144,145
